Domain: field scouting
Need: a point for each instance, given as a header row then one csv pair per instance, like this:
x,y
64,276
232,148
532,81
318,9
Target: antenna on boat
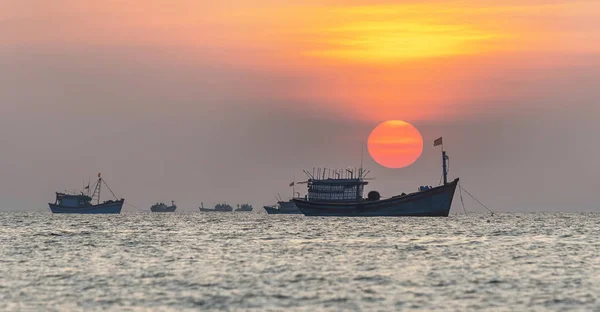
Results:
x,y
366,173
310,176
362,156
88,186
294,186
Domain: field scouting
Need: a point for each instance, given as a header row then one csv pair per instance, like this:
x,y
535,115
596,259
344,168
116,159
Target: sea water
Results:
x,y
252,261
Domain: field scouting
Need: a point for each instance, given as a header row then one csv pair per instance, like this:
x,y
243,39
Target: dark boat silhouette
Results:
x,y
244,207
343,197
82,203
161,207
286,207
218,208
283,207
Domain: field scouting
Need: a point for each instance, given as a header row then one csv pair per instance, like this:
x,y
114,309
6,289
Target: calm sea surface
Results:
x,y
250,261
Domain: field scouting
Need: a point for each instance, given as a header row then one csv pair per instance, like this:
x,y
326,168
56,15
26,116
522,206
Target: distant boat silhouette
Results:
x,y
161,207
244,207
218,208
82,203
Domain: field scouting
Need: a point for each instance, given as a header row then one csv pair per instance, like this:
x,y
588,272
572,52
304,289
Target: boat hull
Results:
x,y
288,208
105,208
435,202
273,210
166,209
213,210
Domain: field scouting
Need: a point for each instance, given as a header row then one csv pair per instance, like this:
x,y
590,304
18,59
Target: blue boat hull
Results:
x,y
105,208
435,202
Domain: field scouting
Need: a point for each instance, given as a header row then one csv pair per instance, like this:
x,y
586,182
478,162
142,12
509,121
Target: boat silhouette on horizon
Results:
x,y
342,196
244,208
161,207
224,207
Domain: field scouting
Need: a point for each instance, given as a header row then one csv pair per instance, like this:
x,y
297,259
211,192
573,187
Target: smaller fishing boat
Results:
x,y
244,207
82,202
161,207
224,207
283,207
286,207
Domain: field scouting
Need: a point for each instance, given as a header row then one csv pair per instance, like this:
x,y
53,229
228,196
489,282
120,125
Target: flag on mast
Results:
x,y
438,142
292,184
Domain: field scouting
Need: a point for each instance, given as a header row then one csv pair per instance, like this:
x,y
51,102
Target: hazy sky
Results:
x,y
208,101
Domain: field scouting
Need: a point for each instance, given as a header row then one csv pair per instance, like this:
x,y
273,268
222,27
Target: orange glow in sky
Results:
x,y
395,144
359,60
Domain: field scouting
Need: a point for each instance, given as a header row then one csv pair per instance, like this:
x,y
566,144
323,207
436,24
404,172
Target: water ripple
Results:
x,y
244,261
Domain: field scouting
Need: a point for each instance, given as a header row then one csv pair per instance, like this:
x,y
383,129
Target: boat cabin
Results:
x,y
68,200
335,189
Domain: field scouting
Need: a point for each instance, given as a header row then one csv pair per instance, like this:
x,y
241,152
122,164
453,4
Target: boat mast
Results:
x,y
444,168
444,160
99,187
294,186
362,156
440,141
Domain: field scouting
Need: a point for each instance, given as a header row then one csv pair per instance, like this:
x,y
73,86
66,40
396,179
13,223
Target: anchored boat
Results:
x,y
286,207
82,203
343,196
244,207
218,208
161,207
283,207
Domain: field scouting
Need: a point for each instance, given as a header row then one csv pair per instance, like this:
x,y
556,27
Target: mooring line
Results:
x,y
477,200
461,198
128,204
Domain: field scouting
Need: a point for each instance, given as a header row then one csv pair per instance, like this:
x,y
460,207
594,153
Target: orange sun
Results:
x,y
395,144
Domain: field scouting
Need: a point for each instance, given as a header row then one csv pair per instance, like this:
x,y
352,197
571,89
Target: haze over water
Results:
x,y
251,261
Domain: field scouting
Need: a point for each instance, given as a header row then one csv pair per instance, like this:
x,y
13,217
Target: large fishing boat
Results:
x,y
283,207
343,196
82,202
161,207
218,208
244,207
